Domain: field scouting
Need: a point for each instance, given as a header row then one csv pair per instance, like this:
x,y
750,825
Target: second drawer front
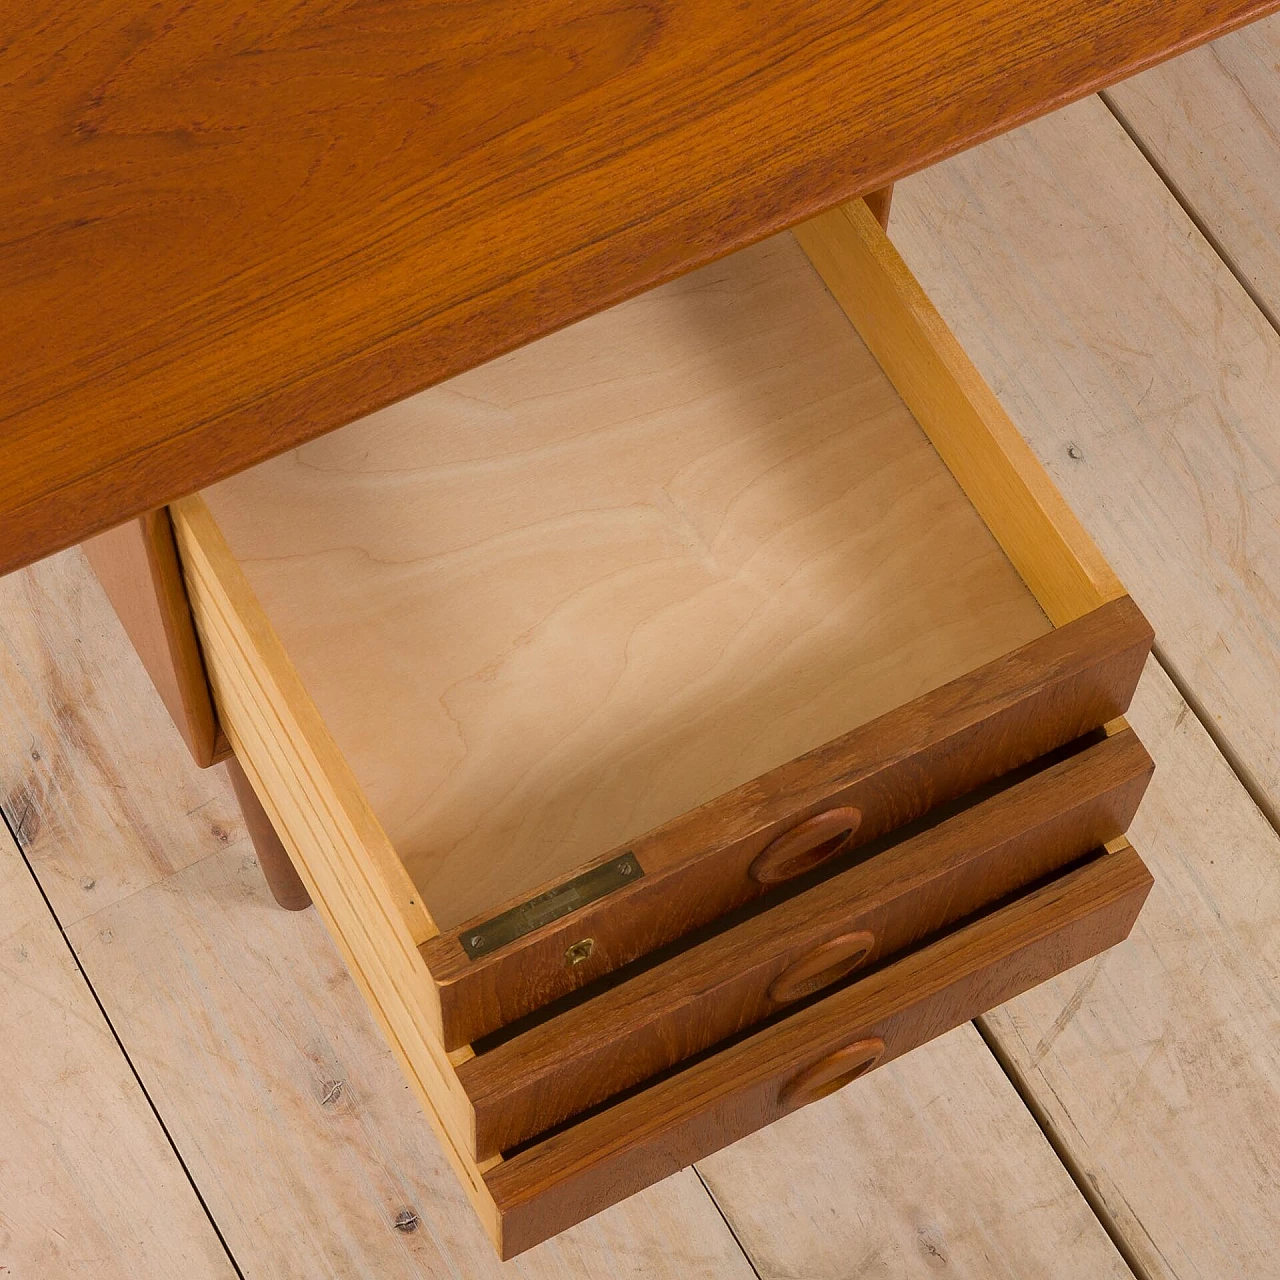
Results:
x,y
572,1174
707,992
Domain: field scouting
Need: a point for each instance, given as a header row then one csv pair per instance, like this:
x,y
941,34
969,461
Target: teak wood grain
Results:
x,y
566,1176
223,235
893,769
880,202
137,565
669,1012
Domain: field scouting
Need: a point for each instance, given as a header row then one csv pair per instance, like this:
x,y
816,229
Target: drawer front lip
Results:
x,y
933,749
574,1173
876,909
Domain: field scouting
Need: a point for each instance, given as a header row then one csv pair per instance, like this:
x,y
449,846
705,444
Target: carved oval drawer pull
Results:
x,y
806,845
822,966
831,1073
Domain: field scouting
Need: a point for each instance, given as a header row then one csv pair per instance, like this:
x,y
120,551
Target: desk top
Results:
x,y
226,228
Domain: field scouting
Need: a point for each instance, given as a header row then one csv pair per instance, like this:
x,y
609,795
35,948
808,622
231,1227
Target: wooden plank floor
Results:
x,y
196,1090
1147,379
88,1182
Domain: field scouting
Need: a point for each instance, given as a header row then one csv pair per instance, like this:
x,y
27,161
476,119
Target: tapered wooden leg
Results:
x,y
878,202
283,881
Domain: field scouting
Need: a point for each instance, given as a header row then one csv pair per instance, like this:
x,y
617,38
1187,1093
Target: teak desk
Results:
x,y
676,683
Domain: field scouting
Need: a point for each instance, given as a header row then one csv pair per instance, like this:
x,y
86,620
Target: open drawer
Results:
x,y
652,669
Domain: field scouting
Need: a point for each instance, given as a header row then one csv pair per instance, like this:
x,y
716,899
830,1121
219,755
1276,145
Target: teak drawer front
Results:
x,y
877,908
606,1157
888,772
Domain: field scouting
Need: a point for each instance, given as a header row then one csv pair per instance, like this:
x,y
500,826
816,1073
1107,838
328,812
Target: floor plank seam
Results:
x,y
1073,1168
1207,233
711,1195
116,903
124,1053
1243,774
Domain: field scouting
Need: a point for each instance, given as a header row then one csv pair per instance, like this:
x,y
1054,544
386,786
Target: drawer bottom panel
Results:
x,y
569,1175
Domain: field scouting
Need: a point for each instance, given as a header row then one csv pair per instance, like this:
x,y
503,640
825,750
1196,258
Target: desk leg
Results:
x,y
878,202
283,881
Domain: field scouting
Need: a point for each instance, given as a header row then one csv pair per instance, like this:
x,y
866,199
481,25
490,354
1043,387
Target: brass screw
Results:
x,y
579,952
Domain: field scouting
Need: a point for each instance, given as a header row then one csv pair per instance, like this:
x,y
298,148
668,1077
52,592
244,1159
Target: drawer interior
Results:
x,y
557,601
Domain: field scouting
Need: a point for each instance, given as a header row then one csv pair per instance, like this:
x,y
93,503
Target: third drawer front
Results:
x,y
523,1082
802,1056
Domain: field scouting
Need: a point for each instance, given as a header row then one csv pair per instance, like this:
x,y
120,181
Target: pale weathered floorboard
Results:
x,y
294,1117
563,598
1211,120
242,1021
88,1184
929,1165
1149,384
1159,1062
1146,380
84,739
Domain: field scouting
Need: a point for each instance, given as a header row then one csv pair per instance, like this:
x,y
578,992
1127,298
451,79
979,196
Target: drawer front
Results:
x,y
853,790
796,1059
675,1009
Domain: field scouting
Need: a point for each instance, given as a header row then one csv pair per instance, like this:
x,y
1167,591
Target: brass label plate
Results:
x,y
556,902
